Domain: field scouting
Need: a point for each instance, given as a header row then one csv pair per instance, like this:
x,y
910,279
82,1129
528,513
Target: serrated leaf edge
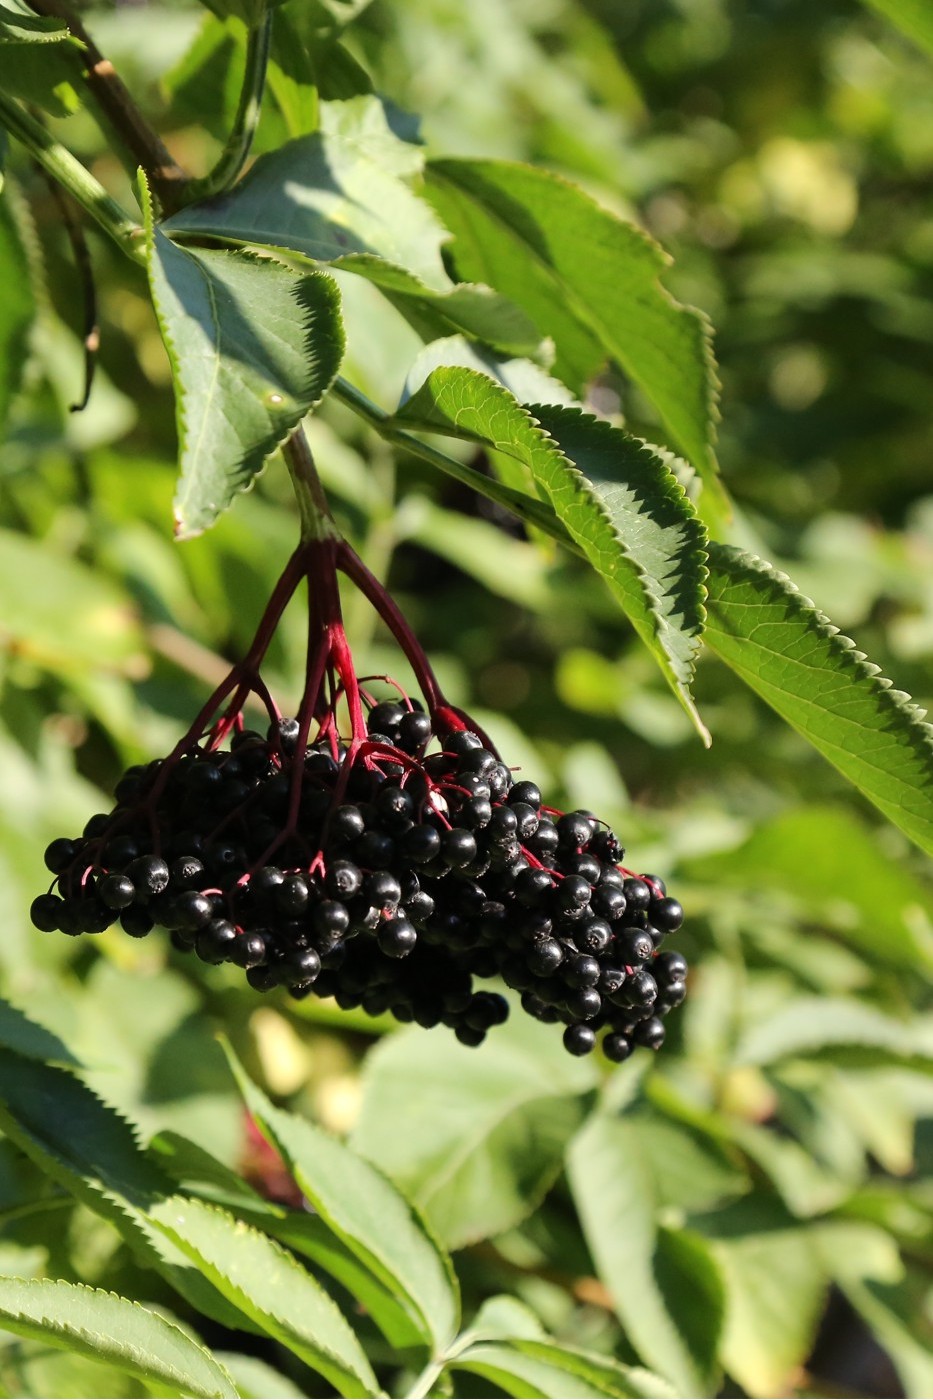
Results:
x,y
69,1329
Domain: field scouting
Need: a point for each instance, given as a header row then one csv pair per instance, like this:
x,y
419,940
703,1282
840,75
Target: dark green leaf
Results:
x,y
799,663
588,279
19,24
483,1139
617,499
251,12
667,1290
366,1213
253,348
17,307
107,1328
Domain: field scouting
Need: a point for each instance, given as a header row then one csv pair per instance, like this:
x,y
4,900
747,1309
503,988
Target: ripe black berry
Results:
x,y
117,891
617,1048
579,1039
46,912
59,854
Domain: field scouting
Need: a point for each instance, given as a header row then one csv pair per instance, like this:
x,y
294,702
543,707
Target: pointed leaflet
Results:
x,y
529,1368
346,195
266,1283
588,279
615,497
253,347
108,1328
666,1288
366,1212
798,662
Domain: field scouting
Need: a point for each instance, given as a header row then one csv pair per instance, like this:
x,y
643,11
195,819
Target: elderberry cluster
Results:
x,y
383,875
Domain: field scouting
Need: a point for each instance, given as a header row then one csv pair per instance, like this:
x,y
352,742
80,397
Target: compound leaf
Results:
x,y
108,1328
540,1368
522,230
797,661
366,1213
267,1284
253,347
616,498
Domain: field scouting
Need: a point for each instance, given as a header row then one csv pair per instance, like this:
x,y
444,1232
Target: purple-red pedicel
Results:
x,y
377,853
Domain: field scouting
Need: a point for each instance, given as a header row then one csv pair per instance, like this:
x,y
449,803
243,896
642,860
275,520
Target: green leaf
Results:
x,y
345,195
267,1284
666,1289
253,348
616,498
251,12
21,25
17,308
90,1150
799,663
483,1139
108,1328
775,1289
590,280
29,1039
39,60
345,189
534,1368
191,1167
365,1212
37,586
808,1025
912,17
256,1379
830,861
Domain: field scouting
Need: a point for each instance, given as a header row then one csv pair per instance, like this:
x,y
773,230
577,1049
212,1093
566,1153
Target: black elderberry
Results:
x,y
186,872
461,742
579,1039
215,941
667,915
374,850
611,981
419,907
414,731
671,995
574,830
46,912
500,781
475,813
593,936
526,793
670,967
397,937
608,902
117,891
572,893
641,988
382,889
192,911
458,847
96,825
346,823
248,950
532,886
581,970
584,1004
637,894
262,978
59,854
386,717
136,921
634,946
292,896
656,885
468,1035
650,1033
617,1048
343,879
301,966
528,820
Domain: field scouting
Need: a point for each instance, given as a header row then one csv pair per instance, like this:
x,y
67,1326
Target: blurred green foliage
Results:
x,y
776,1162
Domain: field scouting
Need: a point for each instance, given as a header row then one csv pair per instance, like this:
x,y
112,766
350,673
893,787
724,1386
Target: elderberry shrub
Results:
x,y
386,877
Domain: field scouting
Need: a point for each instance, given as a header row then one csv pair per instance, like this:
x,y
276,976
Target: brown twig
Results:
x,y
144,146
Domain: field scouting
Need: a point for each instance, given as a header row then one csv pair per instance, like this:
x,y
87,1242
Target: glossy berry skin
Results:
x,y
650,1033
136,922
458,847
525,792
59,854
117,891
581,971
579,1039
617,1048
215,942
397,937
666,914
637,894
149,874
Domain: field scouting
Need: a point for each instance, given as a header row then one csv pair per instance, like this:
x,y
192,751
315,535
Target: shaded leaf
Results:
x,y
108,1328
667,1290
820,684
522,230
29,1039
615,497
912,17
537,1368
17,307
483,1139
253,348
365,1212
808,1025
346,195
267,1284
827,859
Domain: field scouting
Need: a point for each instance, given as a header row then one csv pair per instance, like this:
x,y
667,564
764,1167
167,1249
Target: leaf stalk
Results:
x,y
240,140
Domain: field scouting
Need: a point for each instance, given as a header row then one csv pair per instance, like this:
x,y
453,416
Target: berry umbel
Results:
x,y
376,852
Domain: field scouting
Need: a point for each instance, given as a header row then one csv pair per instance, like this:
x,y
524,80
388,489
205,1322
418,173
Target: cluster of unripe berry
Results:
x,y
385,876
